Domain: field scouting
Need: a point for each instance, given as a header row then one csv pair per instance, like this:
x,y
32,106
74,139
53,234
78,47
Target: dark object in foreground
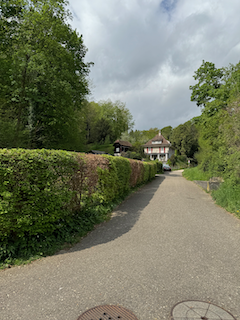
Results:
x,y
108,312
166,167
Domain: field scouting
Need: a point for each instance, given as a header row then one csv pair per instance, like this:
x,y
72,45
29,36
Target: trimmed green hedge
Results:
x,y
46,196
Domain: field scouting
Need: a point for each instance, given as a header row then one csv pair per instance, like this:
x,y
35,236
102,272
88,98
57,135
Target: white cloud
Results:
x,y
146,51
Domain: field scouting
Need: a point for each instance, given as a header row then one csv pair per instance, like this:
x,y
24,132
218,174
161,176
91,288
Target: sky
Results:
x,y
145,52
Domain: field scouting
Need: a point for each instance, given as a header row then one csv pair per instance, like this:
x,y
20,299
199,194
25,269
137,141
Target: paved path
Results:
x,y
166,243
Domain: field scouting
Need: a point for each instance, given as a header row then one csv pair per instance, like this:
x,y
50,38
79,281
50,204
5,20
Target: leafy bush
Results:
x,y
34,190
159,166
131,155
196,174
48,196
173,160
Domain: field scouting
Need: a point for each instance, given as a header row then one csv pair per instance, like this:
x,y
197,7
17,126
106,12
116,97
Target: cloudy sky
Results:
x,y
145,52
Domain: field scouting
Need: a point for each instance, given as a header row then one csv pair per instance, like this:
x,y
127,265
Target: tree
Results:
x,y
149,134
218,126
107,120
166,132
47,79
185,139
209,82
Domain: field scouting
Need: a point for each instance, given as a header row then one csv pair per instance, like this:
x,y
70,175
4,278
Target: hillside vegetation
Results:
x,y
217,92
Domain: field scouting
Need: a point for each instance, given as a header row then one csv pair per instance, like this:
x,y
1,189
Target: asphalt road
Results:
x,y
166,243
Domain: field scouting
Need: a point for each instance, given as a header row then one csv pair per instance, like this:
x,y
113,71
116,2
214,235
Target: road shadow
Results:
x,y
123,218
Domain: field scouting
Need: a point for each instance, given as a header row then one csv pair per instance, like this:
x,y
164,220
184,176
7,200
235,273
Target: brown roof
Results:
x,y
123,143
158,137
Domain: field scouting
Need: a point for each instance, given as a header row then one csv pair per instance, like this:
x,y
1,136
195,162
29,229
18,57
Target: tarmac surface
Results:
x,y
166,243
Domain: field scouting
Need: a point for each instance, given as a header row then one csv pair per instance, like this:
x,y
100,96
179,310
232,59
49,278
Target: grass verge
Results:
x,y
228,197
228,194
196,174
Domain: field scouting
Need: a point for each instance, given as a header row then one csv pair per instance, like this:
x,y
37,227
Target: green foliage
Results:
x,y
138,149
138,137
173,160
108,148
218,126
44,80
227,196
48,197
218,91
196,174
34,190
159,166
184,139
106,121
132,155
209,82
113,181
178,161
150,169
167,132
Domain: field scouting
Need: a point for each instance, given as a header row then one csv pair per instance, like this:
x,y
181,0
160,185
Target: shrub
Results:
x,y
47,196
159,166
227,196
196,174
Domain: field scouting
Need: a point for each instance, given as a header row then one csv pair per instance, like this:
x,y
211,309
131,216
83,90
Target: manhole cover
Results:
x,y
198,310
108,312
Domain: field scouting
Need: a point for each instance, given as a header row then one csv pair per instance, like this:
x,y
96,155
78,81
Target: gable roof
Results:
x,y
123,143
158,137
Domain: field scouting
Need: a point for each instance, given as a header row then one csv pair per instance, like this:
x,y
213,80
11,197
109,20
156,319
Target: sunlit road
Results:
x,y
166,243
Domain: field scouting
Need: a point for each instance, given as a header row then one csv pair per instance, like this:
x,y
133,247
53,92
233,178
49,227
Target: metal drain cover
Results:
x,y
108,312
198,310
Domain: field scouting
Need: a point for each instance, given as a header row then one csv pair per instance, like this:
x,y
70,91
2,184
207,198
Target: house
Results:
x,y
121,146
159,148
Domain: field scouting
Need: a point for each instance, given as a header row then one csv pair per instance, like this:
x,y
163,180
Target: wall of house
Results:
x,y
163,153
157,150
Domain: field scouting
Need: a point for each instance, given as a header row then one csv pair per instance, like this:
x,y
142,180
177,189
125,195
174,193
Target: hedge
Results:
x,y
48,195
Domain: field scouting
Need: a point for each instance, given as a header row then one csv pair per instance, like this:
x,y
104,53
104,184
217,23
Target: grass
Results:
x,y
196,174
228,197
228,194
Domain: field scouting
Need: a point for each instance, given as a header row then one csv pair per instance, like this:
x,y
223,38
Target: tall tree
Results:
x,y
209,82
185,139
167,132
218,93
107,120
47,79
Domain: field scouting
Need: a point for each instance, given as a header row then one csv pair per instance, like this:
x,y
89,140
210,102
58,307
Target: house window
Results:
x,y
117,149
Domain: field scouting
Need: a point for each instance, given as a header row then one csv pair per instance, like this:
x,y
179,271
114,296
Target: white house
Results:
x,y
159,148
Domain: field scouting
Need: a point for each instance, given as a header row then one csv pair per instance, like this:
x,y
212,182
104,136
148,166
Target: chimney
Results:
x,y
159,133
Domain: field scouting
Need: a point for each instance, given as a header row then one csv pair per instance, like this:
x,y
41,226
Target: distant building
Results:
x,y
121,146
159,148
